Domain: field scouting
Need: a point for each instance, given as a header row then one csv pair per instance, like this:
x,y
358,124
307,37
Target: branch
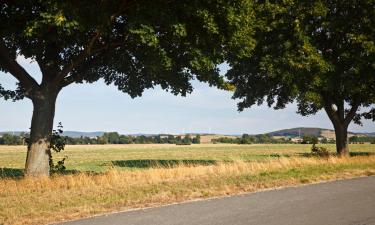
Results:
x,y
83,56
340,109
88,51
350,115
78,76
27,82
79,59
84,65
330,112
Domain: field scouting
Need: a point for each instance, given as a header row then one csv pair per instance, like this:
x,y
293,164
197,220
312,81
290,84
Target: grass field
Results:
x,y
131,176
99,158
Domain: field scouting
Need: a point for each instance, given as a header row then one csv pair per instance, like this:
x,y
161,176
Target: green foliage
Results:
x,y
310,140
57,144
59,167
9,139
134,45
246,139
225,140
196,139
324,140
252,139
320,54
112,137
361,139
319,151
115,138
186,139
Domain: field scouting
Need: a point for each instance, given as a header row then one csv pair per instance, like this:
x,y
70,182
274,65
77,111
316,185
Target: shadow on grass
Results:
x,y
305,154
148,163
20,173
361,153
69,172
276,155
351,154
11,173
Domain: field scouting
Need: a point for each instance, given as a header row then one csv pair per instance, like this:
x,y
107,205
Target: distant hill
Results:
x,y
73,134
369,134
312,131
292,132
298,131
12,132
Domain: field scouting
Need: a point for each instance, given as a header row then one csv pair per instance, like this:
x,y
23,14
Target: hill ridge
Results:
x,y
313,131
290,132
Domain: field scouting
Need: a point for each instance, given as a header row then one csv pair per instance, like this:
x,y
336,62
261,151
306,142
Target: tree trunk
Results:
x,y
341,122
341,132
38,153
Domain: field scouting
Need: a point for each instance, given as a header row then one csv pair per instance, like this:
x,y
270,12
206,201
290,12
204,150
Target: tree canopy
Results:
x,y
133,44
320,54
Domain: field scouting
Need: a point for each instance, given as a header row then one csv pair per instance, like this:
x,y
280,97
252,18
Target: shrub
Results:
x,y
319,151
57,144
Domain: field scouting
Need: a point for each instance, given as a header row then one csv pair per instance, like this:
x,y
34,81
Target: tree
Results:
x,y
9,139
186,139
263,138
307,139
354,139
133,44
247,139
112,137
171,139
320,54
197,139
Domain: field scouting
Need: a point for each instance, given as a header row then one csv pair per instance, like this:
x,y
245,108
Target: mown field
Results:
x,y
109,178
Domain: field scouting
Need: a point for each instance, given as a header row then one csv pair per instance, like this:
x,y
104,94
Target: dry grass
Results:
x,y
64,197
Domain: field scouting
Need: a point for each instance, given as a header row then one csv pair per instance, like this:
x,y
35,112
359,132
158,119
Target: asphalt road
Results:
x,y
347,202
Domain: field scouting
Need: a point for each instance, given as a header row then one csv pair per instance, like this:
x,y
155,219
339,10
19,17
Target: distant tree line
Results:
x,y
9,139
110,138
268,139
307,139
116,138
252,139
357,139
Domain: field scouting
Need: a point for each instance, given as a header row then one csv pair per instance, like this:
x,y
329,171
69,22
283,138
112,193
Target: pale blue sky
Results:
x,y
97,107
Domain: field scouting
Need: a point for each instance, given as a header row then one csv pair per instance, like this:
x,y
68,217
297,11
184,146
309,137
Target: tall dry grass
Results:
x,y
39,201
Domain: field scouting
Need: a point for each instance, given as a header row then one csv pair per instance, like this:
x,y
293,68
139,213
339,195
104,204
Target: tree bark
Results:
x,y
341,132
38,153
341,122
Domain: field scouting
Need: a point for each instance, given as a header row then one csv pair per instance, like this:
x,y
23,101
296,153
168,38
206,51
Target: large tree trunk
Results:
x,y
38,153
341,132
341,120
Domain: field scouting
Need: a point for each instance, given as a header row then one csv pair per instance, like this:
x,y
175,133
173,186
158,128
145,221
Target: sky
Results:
x,y
98,107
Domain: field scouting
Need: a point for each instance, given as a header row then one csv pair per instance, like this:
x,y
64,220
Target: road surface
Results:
x,y
347,202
